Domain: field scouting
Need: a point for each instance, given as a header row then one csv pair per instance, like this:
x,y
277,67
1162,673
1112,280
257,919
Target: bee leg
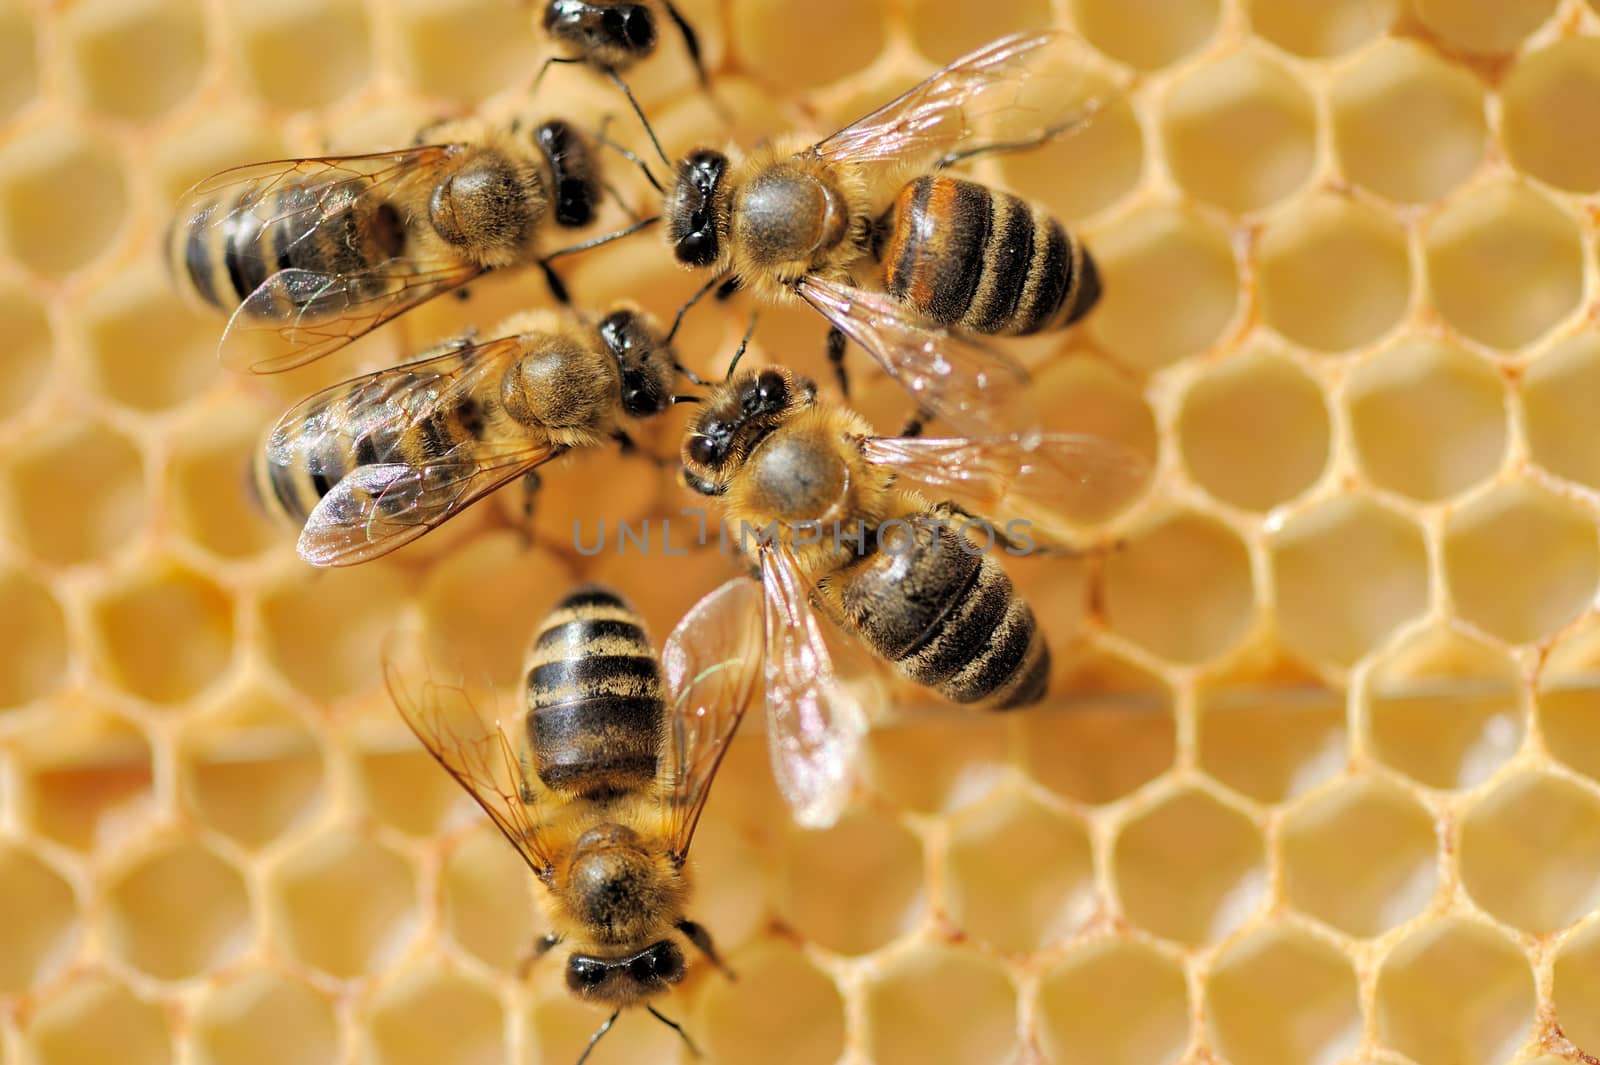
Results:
x,y
917,423
1038,139
676,1027
540,947
628,446
531,483
616,79
558,287
630,156
726,290
697,935
836,345
593,1039
699,294
691,44
545,69
627,209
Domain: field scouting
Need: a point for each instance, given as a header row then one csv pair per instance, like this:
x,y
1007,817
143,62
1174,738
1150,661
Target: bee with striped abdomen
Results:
x,y
371,464
308,254
599,782
947,253
836,525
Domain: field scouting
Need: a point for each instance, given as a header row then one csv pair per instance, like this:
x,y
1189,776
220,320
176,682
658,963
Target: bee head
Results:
x,y
694,217
736,418
574,173
627,979
644,359
601,27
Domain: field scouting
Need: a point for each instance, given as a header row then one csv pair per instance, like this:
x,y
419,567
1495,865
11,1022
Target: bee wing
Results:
x,y
975,388
370,412
467,734
1054,478
814,725
712,662
385,503
203,203
376,509
297,315
941,115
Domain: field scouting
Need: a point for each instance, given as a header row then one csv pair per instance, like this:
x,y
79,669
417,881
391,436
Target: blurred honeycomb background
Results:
x,y
1319,780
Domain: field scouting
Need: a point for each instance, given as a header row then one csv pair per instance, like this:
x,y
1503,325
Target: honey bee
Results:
x,y
600,781
836,525
612,35
376,462
797,219
311,253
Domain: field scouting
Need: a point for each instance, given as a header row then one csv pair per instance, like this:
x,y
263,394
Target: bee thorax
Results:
x,y
794,479
485,208
785,214
615,885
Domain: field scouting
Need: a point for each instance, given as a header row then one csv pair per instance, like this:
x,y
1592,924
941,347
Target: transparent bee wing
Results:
x,y
1050,479
944,115
713,663
368,414
250,187
814,725
376,509
295,317
469,731
266,210
976,389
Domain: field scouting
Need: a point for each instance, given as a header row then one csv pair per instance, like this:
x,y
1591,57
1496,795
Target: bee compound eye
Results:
x,y
638,28
702,450
698,247
640,395
585,972
662,963
771,388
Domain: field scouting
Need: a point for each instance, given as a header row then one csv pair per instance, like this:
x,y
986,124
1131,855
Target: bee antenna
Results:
x,y
628,154
743,344
678,319
602,1030
675,399
676,1027
694,378
616,79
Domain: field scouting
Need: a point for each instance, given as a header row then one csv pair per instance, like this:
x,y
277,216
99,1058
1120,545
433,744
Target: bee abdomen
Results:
x,y
310,460
595,698
947,617
962,254
301,227
293,488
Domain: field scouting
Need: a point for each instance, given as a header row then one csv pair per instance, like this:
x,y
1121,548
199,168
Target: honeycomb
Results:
x,y
1320,778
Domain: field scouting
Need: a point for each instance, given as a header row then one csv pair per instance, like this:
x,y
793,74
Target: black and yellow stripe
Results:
x,y
596,709
321,228
948,618
962,254
322,458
